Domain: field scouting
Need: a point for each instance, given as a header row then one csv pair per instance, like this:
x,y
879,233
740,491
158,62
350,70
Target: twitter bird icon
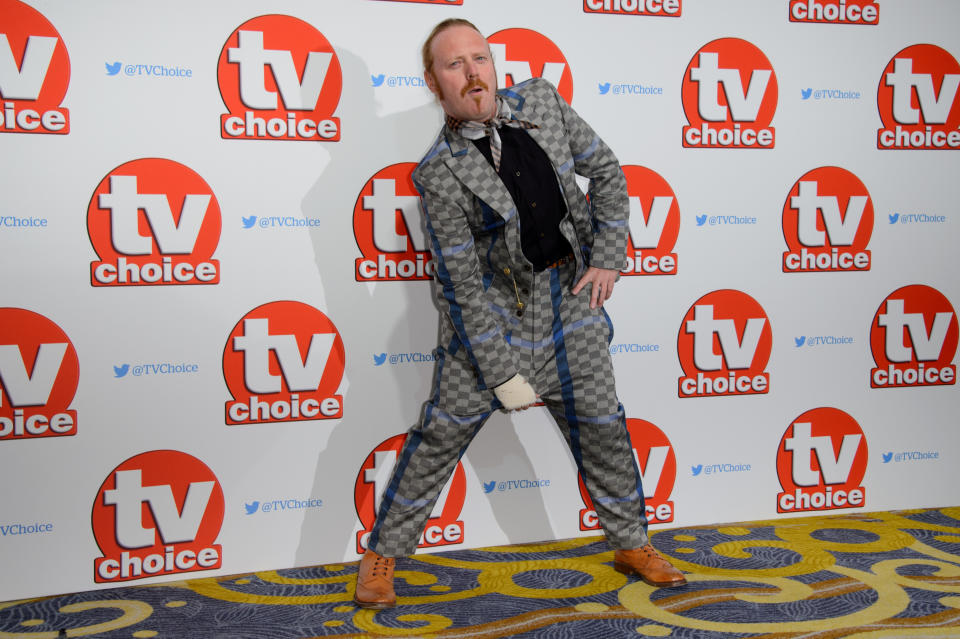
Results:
x,y
251,508
489,486
112,69
121,371
377,79
799,340
604,87
248,222
805,93
696,470
701,220
887,457
378,360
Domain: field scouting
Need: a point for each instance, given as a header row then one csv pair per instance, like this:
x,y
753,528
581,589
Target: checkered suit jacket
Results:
x,y
474,228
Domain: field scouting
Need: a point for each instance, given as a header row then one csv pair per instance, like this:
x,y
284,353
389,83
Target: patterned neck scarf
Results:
x,y
473,130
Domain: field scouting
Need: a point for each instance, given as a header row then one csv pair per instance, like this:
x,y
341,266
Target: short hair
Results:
x,y
437,30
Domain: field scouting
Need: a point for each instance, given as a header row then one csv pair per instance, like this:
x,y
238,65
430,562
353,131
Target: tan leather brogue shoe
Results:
x,y
646,563
375,582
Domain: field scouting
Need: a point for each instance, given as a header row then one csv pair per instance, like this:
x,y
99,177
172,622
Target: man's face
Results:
x,y
463,77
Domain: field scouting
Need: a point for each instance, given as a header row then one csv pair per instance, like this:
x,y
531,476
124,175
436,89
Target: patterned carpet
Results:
x,y
891,574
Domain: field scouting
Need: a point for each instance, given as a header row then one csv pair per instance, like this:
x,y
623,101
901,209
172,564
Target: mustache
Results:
x,y
472,84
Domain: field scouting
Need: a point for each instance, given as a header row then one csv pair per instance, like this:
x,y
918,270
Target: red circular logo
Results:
x,y
917,100
724,345
283,361
157,513
388,230
913,338
280,79
654,223
522,54
827,222
729,95
39,373
821,461
41,72
153,221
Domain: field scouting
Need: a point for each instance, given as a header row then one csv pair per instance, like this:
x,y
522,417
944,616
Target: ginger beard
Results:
x,y
477,96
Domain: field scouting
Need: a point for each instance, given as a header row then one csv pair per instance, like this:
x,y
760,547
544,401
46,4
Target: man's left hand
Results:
x,y
602,279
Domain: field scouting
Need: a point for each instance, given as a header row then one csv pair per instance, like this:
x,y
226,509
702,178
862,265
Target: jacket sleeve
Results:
x,y
460,285
609,204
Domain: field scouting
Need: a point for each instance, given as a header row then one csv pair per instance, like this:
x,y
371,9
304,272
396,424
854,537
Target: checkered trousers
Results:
x,y
561,346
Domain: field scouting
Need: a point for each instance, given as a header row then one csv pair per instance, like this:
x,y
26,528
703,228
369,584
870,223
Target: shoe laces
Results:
x,y
652,554
380,567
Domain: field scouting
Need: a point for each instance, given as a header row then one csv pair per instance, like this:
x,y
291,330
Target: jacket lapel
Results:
x,y
473,170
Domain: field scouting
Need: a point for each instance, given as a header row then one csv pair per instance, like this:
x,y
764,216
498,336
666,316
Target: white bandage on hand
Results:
x,y
515,393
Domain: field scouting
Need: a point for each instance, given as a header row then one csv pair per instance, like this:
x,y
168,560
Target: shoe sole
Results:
x,y
373,605
629,570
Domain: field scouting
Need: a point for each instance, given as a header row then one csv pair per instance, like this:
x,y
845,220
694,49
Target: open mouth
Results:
x,y
475,89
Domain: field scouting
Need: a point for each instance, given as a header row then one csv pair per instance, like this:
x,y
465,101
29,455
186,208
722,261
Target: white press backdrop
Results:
x,y
286,220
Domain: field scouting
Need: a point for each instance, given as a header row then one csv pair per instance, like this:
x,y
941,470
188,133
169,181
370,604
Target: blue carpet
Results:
x,y
891,574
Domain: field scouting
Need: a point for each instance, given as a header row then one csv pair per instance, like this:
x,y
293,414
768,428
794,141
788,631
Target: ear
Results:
x,y
431,81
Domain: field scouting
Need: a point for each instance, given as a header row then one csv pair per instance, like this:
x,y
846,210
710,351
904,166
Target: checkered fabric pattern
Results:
x,y
473,130
500,318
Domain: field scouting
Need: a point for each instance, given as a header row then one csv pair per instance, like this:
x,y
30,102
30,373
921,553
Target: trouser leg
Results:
x,y
580,392
429,455
604,456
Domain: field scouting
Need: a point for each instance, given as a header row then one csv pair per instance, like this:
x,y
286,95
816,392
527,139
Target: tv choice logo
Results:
x,y
913,339
157,513
657,463
917,100
443,527
153,221
654,223
280,79
724,345
387,227
827,222
669,8
39,373
34,72
835,11
522,54
821,462
283,362
729,96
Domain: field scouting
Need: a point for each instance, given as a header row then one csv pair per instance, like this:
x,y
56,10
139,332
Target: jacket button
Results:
x,y
506,270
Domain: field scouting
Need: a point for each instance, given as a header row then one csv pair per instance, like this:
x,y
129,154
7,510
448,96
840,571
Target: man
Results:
x,y
523,266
